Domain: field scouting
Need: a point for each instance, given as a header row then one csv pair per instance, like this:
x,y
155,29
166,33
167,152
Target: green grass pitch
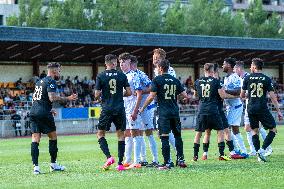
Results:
x,y
83,159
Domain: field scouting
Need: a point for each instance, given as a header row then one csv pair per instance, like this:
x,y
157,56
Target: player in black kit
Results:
x,y
109,86
209,90
257,86
167,88
41,116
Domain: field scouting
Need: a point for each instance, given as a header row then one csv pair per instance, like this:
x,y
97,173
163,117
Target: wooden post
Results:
x,y
281,79
95,69
196,71
35,68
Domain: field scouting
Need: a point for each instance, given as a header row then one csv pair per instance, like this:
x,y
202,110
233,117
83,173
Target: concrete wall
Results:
x,y
11,73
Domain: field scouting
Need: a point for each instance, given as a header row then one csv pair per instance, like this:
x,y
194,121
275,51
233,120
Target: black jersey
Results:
x,y
167,88
207,90
41,103
220,101
257,85
112,83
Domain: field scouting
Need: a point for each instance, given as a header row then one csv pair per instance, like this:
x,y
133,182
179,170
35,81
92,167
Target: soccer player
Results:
x,y
258,85
239,69
146,117
109,86
159,55
132,104
232,85
41,116
209,90
167,88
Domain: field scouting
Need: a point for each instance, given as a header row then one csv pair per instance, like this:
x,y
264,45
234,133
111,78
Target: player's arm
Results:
x,y
224,95
127,92
147,90
243,94
149,99
54,98
234,92
137,105
98,94
275,104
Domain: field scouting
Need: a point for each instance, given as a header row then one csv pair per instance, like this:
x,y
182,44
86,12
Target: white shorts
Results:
x,y
246,118
147,120
234,115
130,124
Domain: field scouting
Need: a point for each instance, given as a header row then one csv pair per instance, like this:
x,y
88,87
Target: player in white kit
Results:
x,y
131,105
232,85
146,118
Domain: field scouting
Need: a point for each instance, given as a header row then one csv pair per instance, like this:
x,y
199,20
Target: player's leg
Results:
x,y
53,150
120,124
230,144
134,130
36,135
269,123
199,128
206,142
143,154
104,124
249,134
128,143
164,129
35,151
176,130
235,122
147,117
263,135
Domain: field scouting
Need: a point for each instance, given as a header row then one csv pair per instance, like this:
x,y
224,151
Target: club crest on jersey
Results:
x,y
168,79
52,86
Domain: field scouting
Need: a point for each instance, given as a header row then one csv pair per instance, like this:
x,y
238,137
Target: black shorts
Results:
x,y
42,124
204,122
265,119
224,119
166,125
106,118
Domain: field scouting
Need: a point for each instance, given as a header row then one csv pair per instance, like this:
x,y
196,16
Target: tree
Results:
x,y
174,19
209,18
31,14
68,14
261,23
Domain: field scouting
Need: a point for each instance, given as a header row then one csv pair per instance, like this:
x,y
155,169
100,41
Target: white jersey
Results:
x,y
171,71
134,83
145,82
232,82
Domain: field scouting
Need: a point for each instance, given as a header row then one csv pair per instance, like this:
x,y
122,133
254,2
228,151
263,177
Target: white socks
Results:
x,y
241,143
128,149
249,138
172,140
143,149
262,133
235,142
137,148
153,147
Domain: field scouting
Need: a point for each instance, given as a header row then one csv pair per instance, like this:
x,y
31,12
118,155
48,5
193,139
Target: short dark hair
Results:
x,y
258,62
161,52
164,64
231,61
208,67
133,59
109,58
216,66
124,56
53,65
240,64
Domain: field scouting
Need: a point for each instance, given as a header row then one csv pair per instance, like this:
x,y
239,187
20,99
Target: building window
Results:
x,y
266,2
240,1
1,20
16,2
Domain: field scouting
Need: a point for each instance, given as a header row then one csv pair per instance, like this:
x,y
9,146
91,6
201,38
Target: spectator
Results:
x,y
16,118
27,124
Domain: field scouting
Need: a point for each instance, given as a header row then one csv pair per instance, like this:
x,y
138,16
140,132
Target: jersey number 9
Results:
x,y
112,86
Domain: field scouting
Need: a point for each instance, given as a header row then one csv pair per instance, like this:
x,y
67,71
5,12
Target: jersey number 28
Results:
x,y
37,94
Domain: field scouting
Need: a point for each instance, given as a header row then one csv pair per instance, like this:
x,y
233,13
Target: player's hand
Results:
x,y
280,116
140,110
72,97
134,116
53,111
